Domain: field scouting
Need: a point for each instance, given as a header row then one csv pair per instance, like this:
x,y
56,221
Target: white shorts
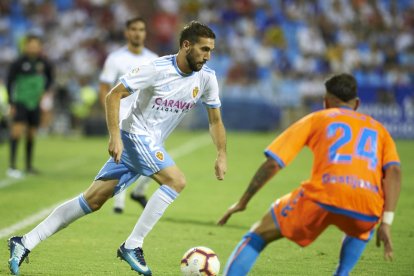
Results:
x,y
141,156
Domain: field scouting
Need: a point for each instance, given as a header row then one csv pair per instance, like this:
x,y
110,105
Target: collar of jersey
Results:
x,y
345,107
178,69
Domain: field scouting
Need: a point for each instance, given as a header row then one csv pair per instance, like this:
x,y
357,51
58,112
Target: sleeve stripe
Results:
x,y
386,166
212,105
268,153
126,85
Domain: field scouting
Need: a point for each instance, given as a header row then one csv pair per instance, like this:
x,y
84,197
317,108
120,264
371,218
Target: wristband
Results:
x,y
388,217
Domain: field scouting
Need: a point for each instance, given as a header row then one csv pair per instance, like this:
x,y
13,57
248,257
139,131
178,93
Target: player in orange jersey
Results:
x,y
355,182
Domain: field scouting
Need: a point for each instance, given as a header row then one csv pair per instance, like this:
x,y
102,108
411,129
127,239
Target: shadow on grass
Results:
x,y
203,223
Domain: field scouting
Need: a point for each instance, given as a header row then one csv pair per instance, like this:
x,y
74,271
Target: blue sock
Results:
x,y
351,251
244,255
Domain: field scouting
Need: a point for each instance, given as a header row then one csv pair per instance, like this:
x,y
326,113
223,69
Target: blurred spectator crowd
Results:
x,y
276,50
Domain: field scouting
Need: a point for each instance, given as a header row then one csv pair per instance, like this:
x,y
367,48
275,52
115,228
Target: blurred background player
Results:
x,y
119,63
355,182
28,79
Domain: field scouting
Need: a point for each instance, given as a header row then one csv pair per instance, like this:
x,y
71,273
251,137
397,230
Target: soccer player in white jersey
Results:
x,y
119,63
166,89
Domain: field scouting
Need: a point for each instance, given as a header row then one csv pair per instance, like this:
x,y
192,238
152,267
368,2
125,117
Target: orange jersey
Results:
x,y
350,151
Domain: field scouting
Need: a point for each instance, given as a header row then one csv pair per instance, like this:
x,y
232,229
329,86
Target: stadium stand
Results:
x,y
269,52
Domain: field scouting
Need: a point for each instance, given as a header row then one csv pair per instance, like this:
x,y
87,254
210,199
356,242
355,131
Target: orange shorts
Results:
x,y
301,220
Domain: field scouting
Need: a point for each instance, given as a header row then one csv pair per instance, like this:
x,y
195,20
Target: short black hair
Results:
x,y
342,86
131,21
194,30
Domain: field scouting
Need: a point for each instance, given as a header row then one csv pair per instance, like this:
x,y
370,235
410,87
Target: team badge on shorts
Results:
x,y
159,155
195,92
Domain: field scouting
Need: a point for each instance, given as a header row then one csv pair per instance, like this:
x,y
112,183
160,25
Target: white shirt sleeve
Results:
x,y
139,78
109,73
210,96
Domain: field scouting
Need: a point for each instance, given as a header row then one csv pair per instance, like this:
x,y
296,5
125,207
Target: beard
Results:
x,y
136,41
135,44
194,66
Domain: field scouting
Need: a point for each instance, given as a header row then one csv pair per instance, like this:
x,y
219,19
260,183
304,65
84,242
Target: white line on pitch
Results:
x,y
61,166
8,181
192,145
5,232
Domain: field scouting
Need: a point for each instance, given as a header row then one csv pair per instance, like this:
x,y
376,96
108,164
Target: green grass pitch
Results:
x,y
88,247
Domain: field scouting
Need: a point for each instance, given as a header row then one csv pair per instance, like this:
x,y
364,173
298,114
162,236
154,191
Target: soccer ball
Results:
x,y
201,261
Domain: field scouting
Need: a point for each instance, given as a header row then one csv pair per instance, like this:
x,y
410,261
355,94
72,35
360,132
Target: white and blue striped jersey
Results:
x,y
119,63
165,95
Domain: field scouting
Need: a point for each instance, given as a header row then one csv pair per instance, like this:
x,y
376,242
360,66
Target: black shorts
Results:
x,y
24,115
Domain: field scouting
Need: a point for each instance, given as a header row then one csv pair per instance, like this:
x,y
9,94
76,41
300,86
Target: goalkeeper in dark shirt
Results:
x,y
29,77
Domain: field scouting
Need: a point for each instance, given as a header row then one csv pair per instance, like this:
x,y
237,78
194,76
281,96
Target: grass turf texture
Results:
x,y
88,246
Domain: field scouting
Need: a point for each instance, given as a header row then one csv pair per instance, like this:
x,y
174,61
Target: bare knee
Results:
x,y
177,182
267,229
95,201
172,177
99,192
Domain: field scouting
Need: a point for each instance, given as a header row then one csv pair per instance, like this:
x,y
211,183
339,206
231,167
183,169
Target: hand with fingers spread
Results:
x,y
384,235
236,207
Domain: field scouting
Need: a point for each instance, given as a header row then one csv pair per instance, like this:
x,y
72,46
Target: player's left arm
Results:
x,y
391,185
49,79
49,75
218,134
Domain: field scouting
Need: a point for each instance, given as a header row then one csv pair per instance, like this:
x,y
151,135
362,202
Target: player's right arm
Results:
x,y
11,77
103,91
137,79
108,77
265,172
112,103
279,154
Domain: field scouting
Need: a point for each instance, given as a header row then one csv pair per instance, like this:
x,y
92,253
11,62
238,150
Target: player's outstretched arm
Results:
x,y
112,103
218,134
391,186
266,171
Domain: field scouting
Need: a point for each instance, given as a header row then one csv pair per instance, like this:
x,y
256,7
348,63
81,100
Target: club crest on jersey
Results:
x,y
195,91
133,71
159,155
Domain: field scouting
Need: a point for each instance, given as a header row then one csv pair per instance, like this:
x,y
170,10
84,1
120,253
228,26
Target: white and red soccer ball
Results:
x,y
200,261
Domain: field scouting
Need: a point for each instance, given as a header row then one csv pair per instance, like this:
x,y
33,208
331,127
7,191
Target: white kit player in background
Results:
x,y
119,63
167,89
